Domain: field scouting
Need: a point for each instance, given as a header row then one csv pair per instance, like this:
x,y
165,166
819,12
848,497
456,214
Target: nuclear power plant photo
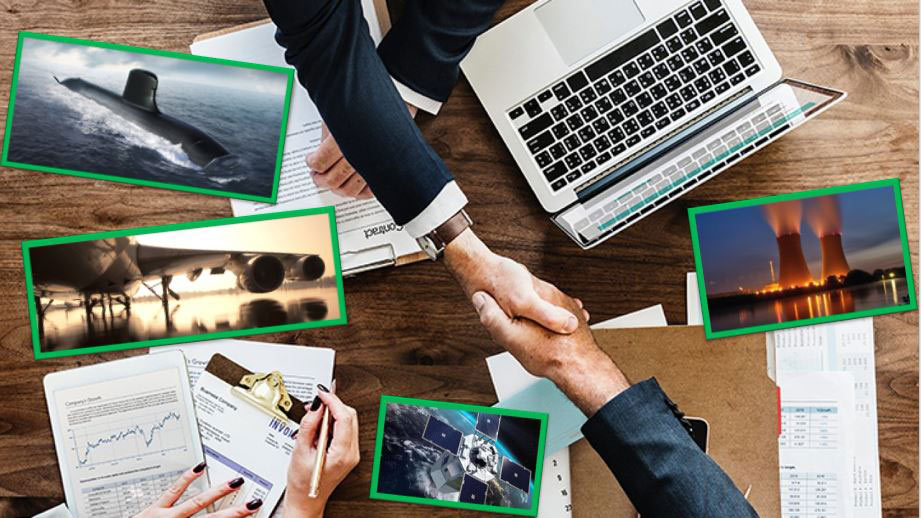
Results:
x,y
803,259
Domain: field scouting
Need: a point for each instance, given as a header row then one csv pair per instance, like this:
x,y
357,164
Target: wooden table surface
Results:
x,y
411,332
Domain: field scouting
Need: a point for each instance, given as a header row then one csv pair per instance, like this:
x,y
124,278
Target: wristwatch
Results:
x,y
434,243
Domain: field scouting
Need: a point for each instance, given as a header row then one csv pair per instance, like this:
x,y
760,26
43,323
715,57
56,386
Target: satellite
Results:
x,y
469,462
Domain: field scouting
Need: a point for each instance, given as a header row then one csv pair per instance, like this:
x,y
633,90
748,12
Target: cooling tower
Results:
x,y
833,260
793,268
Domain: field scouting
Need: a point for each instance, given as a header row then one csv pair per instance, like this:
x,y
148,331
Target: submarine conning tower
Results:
x,y
141,90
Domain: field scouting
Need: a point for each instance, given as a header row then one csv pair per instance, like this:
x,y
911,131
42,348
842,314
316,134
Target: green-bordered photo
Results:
x,y
147,117
455,455
181,283
802,259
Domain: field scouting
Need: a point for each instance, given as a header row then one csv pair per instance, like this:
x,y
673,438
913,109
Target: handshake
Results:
x,y
545,329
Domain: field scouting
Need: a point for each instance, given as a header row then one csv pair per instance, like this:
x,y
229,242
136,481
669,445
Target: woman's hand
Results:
x,y
341,458
164,506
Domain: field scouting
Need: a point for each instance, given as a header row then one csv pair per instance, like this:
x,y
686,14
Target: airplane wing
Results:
x,y
258,272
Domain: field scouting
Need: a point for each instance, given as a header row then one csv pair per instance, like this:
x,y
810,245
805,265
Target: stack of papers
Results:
x,y
829,448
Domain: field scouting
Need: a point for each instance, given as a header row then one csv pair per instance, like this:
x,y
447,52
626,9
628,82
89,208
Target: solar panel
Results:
x,y
442,435
472,491
488,425
516,475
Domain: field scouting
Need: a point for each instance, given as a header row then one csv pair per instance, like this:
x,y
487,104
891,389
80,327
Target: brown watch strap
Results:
x,y
449,230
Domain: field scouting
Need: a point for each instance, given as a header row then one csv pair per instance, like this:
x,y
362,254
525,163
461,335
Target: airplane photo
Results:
x,y
188,282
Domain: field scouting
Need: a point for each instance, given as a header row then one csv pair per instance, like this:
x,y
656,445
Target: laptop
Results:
x,y
614,108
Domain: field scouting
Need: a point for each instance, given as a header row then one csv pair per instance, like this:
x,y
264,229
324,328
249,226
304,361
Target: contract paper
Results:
x,y
368,236
841,347
301,367
509,378
815,445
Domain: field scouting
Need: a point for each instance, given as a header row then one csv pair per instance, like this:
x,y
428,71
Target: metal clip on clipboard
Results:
x,y
265,391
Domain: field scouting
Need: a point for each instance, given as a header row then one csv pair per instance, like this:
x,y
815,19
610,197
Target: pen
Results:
x,y
322,441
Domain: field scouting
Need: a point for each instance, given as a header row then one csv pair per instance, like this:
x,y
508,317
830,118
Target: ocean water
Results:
x,y
56,127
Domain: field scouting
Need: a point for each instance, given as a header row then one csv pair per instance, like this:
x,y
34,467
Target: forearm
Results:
x,y
427,42
329,45
640,437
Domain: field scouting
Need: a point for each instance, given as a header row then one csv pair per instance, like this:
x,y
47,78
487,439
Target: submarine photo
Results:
x,y
148,117
138,104
111,289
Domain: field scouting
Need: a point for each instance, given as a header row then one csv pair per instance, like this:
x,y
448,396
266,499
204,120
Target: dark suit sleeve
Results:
x,y
426,44
661,469
328,42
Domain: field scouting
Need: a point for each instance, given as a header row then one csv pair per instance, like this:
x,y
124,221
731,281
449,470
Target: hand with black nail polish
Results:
x,y
173,504
341,458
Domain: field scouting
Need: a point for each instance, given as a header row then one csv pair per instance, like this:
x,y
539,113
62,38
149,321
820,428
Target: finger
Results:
x,y
169,497
352,186
345,431
248,509
551,316
199,502
337,175
326,155
365,194
310,424
578,302
493,317
586,315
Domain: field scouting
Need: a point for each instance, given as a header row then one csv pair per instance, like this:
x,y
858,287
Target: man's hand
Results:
x,y
518,293
330,170
573,362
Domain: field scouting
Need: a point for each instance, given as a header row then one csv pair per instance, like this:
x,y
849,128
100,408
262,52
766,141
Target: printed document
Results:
x,y
815,445
510,378
368,236
841,347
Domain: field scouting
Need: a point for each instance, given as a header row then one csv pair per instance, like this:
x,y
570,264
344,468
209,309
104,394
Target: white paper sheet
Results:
x,y
509,377
301,367
841,347
817,416
367,234
695,316
55,512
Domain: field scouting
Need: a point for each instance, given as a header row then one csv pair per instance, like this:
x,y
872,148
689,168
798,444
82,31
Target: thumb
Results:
x,y
555,318
493,317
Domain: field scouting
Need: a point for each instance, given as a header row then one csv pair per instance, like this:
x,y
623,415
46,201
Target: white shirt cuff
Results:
x,y
449,202
416,99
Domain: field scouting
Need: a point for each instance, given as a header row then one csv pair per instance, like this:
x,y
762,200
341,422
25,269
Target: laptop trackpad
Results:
x,y
581,27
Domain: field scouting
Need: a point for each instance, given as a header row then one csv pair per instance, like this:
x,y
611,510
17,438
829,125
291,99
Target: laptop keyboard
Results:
x,y
625,206
638,90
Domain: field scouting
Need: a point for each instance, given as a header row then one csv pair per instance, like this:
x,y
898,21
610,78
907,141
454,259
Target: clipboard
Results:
x,y
247,422
363,259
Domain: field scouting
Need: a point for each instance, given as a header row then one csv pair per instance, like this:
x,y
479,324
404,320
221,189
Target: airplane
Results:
x,y
118,267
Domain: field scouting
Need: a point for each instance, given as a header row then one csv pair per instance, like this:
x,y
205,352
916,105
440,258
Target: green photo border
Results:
x,y
538,473
906,256
134,181
33,316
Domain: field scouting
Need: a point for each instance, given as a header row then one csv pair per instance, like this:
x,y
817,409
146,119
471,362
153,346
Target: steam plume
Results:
x,y
824,216
784,217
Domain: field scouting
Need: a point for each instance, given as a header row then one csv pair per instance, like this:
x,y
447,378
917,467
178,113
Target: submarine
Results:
x,y
138,104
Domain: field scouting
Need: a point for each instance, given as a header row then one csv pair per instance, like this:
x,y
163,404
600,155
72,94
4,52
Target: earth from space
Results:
x,y
407,458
